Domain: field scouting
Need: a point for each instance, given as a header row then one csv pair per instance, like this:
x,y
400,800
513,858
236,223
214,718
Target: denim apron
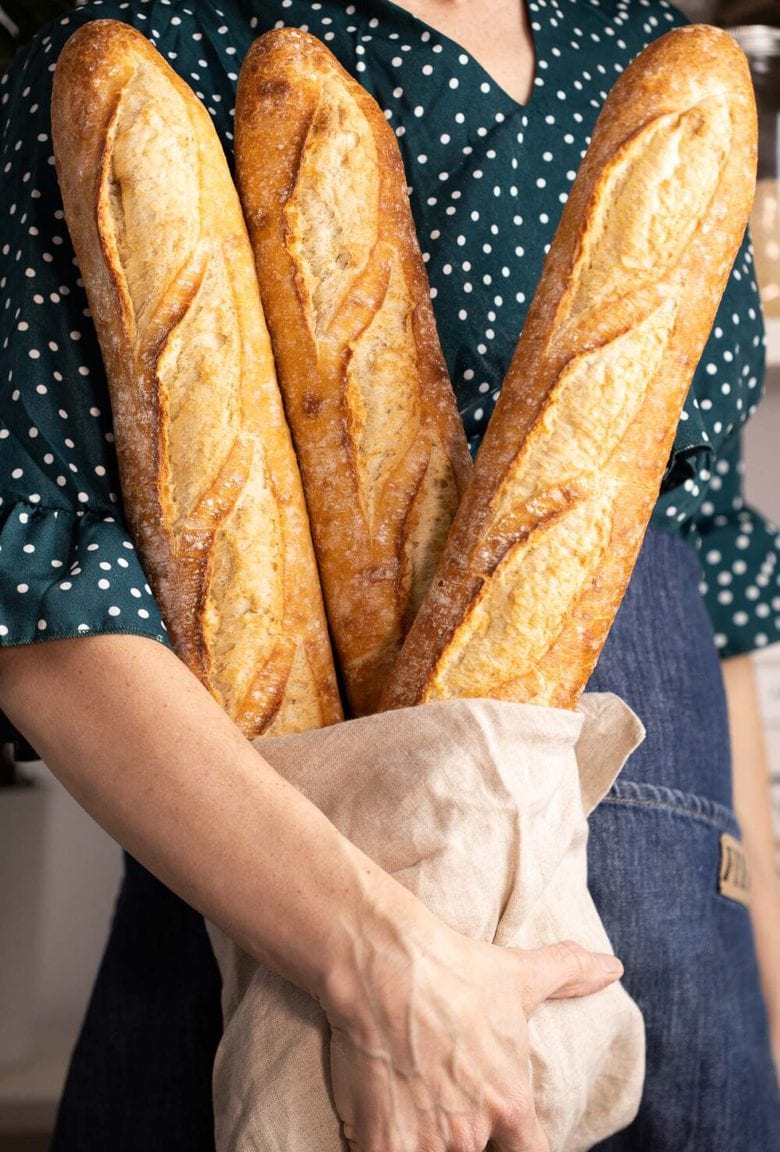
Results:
x,y
655,856
140,1075
140,1079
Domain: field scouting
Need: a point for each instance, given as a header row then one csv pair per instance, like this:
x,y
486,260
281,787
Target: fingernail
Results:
x,y
610,964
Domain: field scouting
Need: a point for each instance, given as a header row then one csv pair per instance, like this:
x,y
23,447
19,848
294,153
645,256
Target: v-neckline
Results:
x,y
457,47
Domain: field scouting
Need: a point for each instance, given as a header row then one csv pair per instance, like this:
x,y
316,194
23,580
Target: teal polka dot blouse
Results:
x,y
488,178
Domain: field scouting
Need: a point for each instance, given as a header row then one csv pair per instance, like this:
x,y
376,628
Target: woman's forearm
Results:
x,y
754,811
146,751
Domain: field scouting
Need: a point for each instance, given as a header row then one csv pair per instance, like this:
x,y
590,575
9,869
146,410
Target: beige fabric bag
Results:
x,y
479,807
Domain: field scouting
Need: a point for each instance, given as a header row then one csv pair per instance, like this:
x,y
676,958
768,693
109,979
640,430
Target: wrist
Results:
x,y
383,952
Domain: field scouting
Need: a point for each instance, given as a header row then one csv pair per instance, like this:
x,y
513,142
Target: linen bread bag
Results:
x,y
478,807
271,1086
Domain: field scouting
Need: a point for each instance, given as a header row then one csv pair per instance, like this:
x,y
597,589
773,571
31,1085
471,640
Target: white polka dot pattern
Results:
x,y
488,179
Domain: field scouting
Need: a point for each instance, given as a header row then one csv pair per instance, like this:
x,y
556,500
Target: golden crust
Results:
x,y
378,437
566,479
209,479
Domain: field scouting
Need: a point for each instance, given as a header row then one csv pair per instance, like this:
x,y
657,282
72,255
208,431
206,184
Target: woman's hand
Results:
x,y
429,1052
753,805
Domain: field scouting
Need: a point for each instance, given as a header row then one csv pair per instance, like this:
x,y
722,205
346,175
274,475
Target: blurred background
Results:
x,y
54,917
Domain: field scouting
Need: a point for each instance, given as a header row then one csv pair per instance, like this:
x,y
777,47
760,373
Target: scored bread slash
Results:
x,y
565,481
210,484
377,433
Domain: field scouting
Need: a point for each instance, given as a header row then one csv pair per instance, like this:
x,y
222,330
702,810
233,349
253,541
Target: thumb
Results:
x,y
564,969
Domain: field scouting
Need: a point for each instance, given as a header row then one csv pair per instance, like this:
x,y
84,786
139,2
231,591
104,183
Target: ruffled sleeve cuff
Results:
x,y
70,573
741,579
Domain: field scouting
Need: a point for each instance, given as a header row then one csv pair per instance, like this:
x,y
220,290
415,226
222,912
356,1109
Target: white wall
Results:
x,y
81,879
47,967
762,451
70,875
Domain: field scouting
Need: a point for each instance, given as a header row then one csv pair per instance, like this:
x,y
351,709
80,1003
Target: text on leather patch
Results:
x,y
733,875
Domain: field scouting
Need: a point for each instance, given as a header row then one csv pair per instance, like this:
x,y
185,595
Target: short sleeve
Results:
x,y
739,555
67,561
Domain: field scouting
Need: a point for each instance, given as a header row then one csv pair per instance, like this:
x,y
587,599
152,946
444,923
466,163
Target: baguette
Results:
x,y
567,476
381,447
209,480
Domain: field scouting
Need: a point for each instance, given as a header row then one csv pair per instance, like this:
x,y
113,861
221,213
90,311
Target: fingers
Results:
x,y
527,1135
565,969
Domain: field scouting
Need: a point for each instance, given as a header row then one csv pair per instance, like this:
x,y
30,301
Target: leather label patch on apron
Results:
x,y
733,875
